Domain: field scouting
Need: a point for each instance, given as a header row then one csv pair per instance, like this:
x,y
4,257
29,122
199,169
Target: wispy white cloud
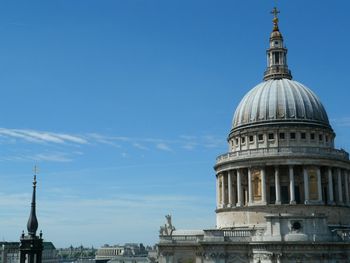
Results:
x,y
61,147
139,146
164,147
42,136
52,157
103,139
188,142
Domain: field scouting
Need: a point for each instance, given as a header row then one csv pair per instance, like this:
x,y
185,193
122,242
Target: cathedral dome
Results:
x,y
279,100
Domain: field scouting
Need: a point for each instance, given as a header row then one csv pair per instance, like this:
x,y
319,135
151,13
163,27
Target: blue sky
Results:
x,y
124,105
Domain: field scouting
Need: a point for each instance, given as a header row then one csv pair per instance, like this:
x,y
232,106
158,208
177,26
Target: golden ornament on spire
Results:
x,y
275,12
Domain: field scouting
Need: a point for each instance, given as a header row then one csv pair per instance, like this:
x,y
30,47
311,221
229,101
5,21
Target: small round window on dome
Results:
x,y
296,226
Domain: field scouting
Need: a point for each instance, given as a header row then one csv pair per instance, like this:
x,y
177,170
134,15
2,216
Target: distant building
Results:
x,y
127,253
9,252
282,189
49,253
77,254
107,252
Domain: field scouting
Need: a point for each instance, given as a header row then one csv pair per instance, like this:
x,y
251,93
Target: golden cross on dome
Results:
x,y
275,12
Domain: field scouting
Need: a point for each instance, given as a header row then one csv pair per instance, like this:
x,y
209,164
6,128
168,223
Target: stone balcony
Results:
x,y
290,151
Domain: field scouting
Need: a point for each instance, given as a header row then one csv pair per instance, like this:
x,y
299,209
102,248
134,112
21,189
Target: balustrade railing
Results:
x,y
324,152
237,235
181,238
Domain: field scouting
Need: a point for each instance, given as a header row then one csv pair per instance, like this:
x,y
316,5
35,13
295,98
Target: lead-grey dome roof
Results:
x,y
279,100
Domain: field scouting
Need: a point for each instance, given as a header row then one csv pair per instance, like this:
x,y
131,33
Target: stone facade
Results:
x,y
282,189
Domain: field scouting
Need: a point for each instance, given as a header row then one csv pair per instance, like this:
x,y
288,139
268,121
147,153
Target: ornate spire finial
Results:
x,y
275,13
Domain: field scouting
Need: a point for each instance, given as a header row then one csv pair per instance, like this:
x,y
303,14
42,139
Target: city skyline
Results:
x,y
124,106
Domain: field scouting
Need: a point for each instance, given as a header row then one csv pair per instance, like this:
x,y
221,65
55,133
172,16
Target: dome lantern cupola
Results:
x,y
277,67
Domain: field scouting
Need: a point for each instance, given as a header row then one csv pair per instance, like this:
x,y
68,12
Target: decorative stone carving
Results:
x,y
168,228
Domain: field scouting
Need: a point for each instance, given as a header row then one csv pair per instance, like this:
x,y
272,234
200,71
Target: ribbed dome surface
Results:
x,y
280,100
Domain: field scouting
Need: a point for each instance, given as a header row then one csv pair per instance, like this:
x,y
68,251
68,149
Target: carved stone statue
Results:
x,y
168,228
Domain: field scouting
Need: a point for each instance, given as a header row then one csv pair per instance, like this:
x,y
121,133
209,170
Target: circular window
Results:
x,y
296,226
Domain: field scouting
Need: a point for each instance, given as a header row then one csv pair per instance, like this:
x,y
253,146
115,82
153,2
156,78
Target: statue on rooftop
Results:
x,y
168,227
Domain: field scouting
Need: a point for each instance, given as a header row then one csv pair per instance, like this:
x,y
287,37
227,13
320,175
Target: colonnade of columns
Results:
x,y
248,186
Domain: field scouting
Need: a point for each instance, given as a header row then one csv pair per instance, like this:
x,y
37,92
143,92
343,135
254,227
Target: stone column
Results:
x,y
239,189
277,186
291,185
234,189
218,190
306,186
224,200
340,189
250,189
330,187
347,188
263,185
319,184
229,186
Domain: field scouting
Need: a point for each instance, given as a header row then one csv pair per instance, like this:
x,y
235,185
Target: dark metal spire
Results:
x,y
31,246
277,67
32,224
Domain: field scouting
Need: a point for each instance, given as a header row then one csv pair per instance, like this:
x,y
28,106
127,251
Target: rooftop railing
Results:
x,y
237,235
284,151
